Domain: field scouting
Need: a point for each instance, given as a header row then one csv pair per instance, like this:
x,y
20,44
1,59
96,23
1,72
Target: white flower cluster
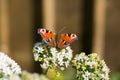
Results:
x,y
62,57
52,56
8,67
26,76
90,67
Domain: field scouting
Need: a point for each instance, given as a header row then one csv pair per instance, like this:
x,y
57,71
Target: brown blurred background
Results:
x,y
96,22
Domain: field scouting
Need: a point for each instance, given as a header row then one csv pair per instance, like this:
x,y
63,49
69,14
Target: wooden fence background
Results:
x,y
96,22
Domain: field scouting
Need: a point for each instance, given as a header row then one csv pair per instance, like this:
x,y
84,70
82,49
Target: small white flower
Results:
x,y
36,57
53,51
67,63
40,49
91,63
87,73
106,69
45,64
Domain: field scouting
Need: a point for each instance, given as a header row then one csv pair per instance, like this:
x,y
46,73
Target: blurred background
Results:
x,y
96,22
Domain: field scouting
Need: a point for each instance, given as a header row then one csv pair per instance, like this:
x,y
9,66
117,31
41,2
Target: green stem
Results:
x,y
46,49
48,66
46,70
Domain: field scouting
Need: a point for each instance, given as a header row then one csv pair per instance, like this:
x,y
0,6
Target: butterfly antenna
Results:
x,y
61,30
52,28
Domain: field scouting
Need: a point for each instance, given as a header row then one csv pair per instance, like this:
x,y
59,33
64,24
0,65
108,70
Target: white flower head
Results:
x,y
8,66
52,56
90,67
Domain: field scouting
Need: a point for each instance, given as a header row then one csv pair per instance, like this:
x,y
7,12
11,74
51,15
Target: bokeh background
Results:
x,y
96,22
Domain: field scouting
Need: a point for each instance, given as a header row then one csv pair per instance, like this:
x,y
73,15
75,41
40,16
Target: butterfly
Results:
x,y
60,41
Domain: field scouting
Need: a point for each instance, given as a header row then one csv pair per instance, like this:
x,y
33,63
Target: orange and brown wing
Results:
x,y
48,36
66,39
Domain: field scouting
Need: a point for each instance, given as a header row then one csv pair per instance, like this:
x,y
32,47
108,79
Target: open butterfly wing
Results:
x,y
65,39
48,36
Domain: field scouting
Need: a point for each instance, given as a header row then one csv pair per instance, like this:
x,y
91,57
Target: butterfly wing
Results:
x,y
48,36
65,39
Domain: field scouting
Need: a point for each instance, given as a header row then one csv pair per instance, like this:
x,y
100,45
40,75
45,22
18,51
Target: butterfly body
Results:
x,y
60,41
